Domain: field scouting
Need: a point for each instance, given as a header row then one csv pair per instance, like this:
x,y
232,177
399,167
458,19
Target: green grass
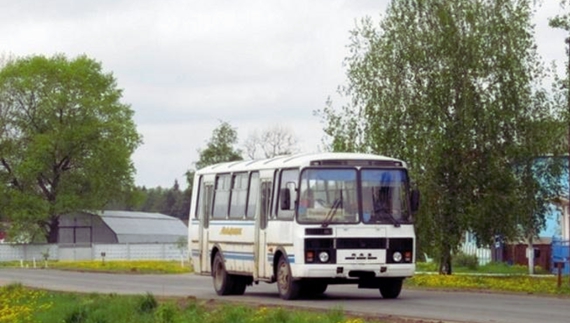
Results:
x,y
498,277
23,305
175,267
9,264
539,285
490,268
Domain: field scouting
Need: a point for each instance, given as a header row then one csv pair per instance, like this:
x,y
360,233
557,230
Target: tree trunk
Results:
x,y
530,256
53,232
445,262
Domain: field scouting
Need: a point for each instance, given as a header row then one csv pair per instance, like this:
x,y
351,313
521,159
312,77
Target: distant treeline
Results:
x,y
170,201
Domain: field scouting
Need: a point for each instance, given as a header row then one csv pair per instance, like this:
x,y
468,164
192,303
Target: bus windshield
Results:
x,y
384,196
329,196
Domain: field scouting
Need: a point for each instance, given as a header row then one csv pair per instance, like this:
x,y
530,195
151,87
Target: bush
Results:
x,y
427,266
166,313
77,315
147,303
466,261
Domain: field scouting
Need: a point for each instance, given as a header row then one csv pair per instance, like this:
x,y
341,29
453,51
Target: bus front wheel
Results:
x,y
223,282
311,288
391,287
288,288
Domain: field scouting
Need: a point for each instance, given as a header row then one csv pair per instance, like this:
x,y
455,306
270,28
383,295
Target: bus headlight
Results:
x,y
397,256
324,256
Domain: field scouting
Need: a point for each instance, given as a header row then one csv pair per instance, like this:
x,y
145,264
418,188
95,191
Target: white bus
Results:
x,y
304,221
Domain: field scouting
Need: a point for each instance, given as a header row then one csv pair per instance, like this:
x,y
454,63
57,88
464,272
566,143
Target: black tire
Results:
x,y
311,288
239,284
223,282
288,288
391,287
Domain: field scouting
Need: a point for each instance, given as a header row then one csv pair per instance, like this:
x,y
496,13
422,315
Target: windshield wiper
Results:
x,y
392,219
383,214
328,219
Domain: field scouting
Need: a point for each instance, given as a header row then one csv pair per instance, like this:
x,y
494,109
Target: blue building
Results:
x,y
557,220
554,236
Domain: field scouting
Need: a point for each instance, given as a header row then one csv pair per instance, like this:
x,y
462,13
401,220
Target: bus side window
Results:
x,y
253,194
272,211
265,203
222,196
287,181
238,195
206,212
199,211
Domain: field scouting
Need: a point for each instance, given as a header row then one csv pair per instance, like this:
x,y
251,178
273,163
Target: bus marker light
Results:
x,y
310,256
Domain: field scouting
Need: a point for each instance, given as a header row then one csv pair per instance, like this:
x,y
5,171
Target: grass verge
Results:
x,y
539,285
490,268
23,305
115,266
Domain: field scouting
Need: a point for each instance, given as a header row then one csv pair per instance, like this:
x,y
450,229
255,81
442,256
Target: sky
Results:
x,y
184,66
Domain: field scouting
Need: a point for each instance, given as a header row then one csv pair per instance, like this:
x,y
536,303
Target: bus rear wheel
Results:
x,y
391,287
239,284
223,282
288,288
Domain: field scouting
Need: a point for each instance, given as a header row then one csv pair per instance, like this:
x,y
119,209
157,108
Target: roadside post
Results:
x,y
559,265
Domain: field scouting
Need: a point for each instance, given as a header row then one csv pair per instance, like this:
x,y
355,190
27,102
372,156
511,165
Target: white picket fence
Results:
x,y
128,251
483,254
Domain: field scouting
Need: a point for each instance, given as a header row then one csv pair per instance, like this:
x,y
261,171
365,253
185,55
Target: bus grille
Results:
x,y
361,243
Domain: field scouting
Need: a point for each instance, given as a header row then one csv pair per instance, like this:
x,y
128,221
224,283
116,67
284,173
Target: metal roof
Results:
x,y
285,161
143,226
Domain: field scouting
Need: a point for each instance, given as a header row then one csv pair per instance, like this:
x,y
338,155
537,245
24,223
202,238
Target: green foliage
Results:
x,y
91,308
220,147
182,243
169,201
562,20
65,139
146,303
512,283
464,260
116,266
504,268
279,315
468,266
20,303
336,314
77,315
166,313
454,88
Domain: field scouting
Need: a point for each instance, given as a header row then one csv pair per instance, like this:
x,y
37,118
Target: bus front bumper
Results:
x,y
352,271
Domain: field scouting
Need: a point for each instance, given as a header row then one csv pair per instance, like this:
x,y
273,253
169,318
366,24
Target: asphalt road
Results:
x,y
434,305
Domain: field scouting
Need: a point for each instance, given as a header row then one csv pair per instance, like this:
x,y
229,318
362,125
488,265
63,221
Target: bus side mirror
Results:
x,y
415,200
285,199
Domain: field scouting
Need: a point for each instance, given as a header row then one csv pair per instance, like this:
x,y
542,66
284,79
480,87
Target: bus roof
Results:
x,y
299,160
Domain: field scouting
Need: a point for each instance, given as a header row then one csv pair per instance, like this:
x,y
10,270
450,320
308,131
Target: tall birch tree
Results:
x,y
454,88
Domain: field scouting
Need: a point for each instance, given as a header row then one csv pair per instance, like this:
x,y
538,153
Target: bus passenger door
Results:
x,y
207,190
260,230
